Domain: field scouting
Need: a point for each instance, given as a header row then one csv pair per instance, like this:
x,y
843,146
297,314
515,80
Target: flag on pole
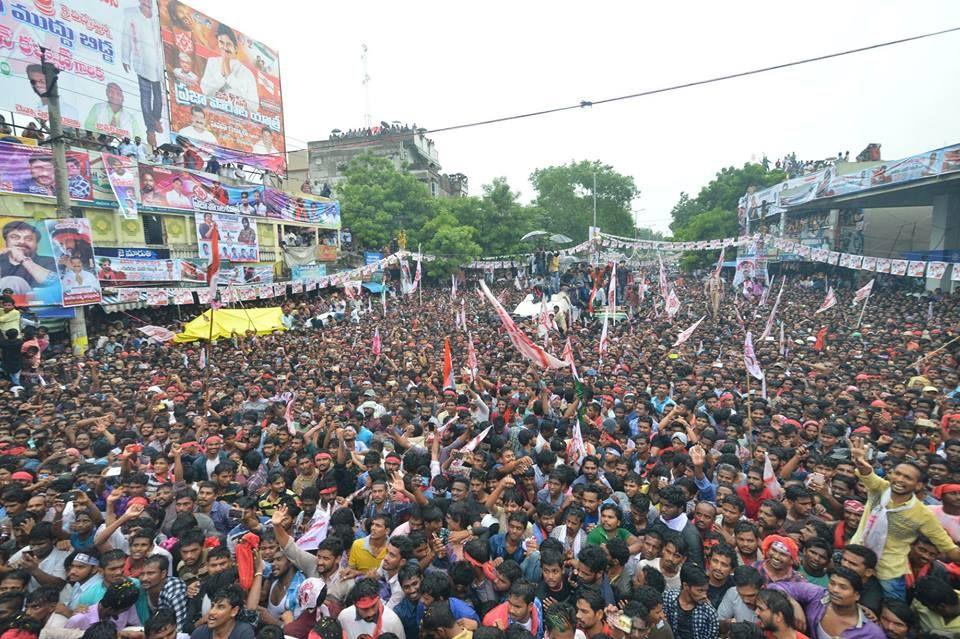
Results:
x,y
671,304
383,299
773,311
471,357
453,285
416,276
685,335
663,277
770,478
603,334
406,286
862,293
719,267
568,358
473,443
821,339
288,412
518,338
213,268
750,360
783,352
202,362
577,448
377,346
612,290
448,381
829,302
317,532
766,292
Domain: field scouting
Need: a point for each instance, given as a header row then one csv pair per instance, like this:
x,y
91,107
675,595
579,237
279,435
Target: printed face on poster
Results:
x,y
109,56
72,242
237,236
27,265
29,170
224,86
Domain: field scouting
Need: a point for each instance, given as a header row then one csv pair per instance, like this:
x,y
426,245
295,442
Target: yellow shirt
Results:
x,y
903,527
9,320
932,622
362,557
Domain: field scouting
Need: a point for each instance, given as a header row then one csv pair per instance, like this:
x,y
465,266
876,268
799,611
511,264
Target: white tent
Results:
x,y
528,308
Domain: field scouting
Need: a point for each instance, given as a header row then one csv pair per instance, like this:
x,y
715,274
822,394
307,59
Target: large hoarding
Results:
x,y
224,86
109,56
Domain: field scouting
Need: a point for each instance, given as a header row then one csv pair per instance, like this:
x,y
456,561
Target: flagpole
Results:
x,y
419,284
749,414
860,319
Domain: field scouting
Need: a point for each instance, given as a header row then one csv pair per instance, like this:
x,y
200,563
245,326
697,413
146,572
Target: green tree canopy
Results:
x,y
453,243
565,199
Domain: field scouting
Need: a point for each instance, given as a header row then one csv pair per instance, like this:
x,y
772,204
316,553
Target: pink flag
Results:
x,y
770,479
663,278
518,338
472,357
750,360
685,335
862,293
377,346
829,302
773,311
568,358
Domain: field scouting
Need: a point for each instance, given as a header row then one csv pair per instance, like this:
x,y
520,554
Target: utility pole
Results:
x,y
594,198
78,325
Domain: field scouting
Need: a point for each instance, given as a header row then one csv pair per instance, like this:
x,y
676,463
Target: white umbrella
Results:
x,y
533,234
560,238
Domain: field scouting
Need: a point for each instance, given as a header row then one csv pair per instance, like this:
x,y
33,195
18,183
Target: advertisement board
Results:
x,y
71,240
109,56
122,175
238,238
301,208
224,86
164,187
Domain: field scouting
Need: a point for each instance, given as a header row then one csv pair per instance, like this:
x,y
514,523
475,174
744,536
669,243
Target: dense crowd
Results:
x,y
325,483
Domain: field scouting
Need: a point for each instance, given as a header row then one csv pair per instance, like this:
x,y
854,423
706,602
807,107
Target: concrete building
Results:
x,y
405,147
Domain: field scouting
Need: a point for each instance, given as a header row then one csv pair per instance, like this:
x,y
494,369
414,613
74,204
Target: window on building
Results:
x,y
152,229
433,188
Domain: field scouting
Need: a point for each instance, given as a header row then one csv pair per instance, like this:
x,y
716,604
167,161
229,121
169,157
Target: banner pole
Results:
x,y
860,319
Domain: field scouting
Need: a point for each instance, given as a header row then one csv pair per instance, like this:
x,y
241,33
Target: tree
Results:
x,y
378,200
723,192
565,198
451,242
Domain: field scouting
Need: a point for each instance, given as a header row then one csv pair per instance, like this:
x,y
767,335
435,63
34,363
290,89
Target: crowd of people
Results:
x,y
335,481
385,128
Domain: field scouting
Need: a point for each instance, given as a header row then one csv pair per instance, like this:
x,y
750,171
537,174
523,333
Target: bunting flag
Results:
x,y
663,277
568,358
862,293
518,338
770,478
773,312
202,361
671,304
448,381
685,335
829,302
473,443
377,346
471,357
213,268
750,360
821,339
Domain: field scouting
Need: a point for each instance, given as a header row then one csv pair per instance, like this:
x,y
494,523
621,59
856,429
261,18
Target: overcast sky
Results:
x,y
440,64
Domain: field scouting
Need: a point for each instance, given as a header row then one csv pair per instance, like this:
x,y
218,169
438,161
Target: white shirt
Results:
x,y
140,45
175,198
83,279
201,135
52,564
263,149
240,82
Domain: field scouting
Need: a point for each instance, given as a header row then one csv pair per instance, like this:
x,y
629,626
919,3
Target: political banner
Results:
x,y
246,274
916,268
71,240
108,54
122,175
308,271
301,208
224,86
182,296
182,190
936,270
28,170
898,267
27,265
237,236
123,269
158,297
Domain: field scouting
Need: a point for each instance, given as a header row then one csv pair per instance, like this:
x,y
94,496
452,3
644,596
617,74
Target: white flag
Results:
x,y
750,360
829,302
862,293
672,304
685,335
473,443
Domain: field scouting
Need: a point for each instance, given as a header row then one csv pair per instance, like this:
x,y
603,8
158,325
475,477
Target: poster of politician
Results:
x,y
224,86
72,242
29,170
237,236
110,60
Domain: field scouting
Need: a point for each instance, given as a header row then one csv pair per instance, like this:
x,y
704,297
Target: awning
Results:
x,y
112,304
373,287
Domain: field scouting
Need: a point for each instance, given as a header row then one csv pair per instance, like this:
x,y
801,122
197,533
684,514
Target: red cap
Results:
x,y
21,475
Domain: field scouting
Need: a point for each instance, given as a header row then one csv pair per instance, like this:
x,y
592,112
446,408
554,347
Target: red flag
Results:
x,y
518,338
377,346
821,339
213,268
448,381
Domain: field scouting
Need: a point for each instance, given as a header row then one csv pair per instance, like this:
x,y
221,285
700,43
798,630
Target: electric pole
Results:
x,y
78,325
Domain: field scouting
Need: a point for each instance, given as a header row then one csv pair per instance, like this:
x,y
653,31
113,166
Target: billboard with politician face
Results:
x,y
110,62
224,86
